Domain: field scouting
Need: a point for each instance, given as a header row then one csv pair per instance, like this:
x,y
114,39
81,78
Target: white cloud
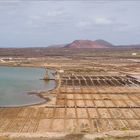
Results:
x,y
55,13
91,22
47,17
102,21
127,28
83,24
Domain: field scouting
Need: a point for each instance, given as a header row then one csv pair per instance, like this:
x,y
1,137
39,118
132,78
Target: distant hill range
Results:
x,y
57,46
92,44
89,44
76,48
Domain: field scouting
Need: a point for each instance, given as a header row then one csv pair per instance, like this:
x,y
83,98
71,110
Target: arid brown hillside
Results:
x,y
89,44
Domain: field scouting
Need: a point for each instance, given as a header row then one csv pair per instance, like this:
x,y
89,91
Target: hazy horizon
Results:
x,y
41,23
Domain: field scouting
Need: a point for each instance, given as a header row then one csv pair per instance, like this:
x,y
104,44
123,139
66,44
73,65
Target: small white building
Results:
x,y
61,71
134,54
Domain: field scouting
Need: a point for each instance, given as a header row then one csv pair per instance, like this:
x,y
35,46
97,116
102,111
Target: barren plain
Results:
x,y
97,95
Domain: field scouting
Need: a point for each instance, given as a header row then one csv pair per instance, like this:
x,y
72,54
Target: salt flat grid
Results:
x,y
80,108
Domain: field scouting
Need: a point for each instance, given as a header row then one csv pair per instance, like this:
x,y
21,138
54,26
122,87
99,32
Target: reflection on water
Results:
x,y
17,82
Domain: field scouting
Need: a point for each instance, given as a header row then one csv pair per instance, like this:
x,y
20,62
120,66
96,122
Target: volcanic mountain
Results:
x,y
89,44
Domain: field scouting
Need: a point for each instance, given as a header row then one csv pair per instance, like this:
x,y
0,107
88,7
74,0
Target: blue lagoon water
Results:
x,y
17,82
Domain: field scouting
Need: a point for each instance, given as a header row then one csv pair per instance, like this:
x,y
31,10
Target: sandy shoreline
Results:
x,y
39,94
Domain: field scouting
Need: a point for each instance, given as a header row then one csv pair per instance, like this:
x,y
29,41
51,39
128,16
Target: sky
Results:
x,y
40,23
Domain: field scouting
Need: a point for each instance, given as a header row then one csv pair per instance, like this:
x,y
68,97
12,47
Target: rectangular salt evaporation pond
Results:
x,y
16,82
